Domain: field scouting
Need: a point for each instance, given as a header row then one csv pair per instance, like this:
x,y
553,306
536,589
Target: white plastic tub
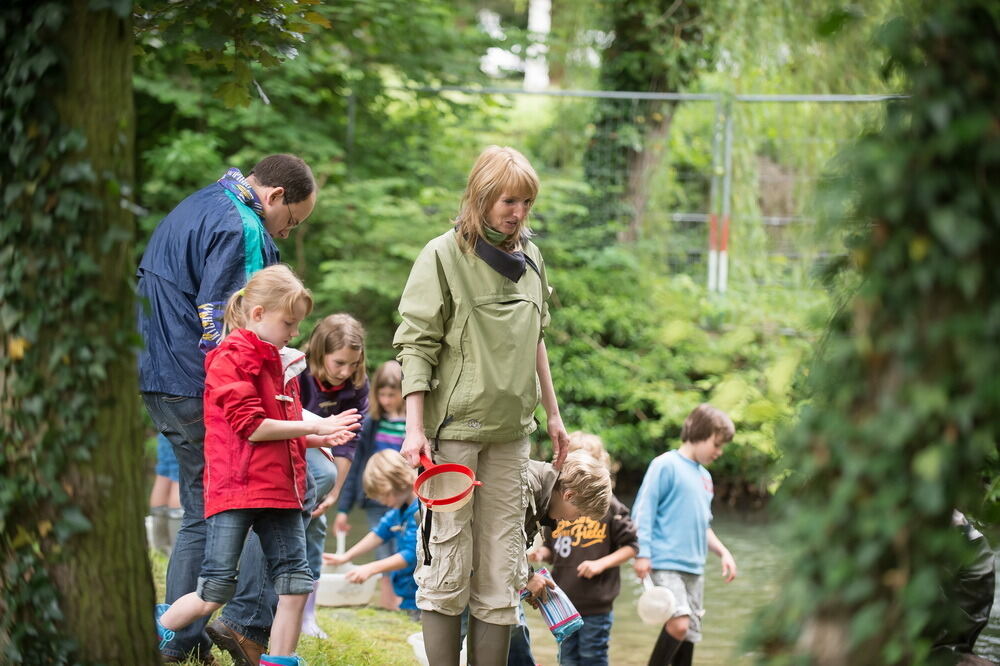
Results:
x,y
334,590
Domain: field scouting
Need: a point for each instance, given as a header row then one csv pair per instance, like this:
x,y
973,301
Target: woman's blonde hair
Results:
x,y
276,287
590,483
592,444
335,332
387,472
499,170
388,375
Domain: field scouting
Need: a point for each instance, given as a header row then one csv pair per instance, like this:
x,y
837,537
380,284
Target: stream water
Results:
x,y
729,607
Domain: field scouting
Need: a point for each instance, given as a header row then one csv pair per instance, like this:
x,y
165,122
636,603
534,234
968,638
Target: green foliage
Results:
x,y
633,351
230,37
337,104
902,425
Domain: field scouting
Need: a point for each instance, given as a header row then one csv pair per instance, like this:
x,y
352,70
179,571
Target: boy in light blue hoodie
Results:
x,y
673,513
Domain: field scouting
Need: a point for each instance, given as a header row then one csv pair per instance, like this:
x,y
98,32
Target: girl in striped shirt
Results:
x,y
383,429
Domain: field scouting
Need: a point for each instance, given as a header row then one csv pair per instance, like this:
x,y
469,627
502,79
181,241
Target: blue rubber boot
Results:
x,y
268,660
165,635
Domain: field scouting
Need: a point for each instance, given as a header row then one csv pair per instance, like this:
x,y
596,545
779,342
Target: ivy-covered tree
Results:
x,y
75,584
74,572
903,425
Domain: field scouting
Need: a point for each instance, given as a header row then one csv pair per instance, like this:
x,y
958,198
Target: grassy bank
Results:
x,y
358,636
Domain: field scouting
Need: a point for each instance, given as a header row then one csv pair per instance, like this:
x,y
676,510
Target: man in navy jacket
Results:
x,y
198,255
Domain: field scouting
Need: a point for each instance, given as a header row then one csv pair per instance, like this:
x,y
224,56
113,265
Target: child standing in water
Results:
x,y
334,381
673,514
255,469
383,429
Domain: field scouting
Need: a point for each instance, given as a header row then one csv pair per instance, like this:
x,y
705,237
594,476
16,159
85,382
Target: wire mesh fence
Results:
x,y
724,187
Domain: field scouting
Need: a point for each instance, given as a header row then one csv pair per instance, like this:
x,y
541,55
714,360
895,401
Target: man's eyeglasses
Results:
x,y
292,222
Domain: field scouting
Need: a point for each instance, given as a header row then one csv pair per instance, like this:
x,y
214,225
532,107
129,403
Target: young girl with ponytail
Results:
x,y
255,467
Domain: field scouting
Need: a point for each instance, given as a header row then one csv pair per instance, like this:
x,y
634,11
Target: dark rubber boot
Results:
x,y
664,650
684,655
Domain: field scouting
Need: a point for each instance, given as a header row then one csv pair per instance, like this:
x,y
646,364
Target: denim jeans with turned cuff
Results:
x,y
282,538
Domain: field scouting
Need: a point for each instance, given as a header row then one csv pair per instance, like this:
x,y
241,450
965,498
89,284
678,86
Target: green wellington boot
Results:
x,y
442,638
488,643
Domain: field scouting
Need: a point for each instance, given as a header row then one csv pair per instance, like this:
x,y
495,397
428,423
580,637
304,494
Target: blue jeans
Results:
x,y
324,474
181,419
282,538
519,653
589,645
251,611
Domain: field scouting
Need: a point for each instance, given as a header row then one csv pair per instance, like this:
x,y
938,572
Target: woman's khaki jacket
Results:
x,y
469,338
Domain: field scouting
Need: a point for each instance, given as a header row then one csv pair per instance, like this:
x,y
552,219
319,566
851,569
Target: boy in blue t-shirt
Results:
x,y
389,480
673,513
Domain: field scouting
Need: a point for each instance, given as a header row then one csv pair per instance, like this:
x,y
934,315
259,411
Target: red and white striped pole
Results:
x,y
713,252
727,183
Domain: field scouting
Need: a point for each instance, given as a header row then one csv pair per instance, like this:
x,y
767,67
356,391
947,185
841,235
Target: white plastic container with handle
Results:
x,y
335,590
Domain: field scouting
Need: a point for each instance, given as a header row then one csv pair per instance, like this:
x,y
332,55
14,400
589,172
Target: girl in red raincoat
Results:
x,y
255,470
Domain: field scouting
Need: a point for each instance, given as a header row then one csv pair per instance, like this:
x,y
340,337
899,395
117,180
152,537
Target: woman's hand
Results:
x,y
560,440
414,444
538,585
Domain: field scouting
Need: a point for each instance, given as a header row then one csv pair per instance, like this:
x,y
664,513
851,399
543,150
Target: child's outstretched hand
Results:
x,y
334,559
347,421
359,575
336,439
538,585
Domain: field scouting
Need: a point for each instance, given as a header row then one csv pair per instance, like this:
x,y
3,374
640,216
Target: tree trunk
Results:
x,y
104,580
658,46
640,171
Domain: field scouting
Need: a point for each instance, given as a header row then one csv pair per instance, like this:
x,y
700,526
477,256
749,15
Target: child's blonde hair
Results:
x,y
592,444
387,472
706,421
498,170
388,375
590,482
276,287
335,332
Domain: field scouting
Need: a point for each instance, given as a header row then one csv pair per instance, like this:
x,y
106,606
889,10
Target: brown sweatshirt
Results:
x,y
584,539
